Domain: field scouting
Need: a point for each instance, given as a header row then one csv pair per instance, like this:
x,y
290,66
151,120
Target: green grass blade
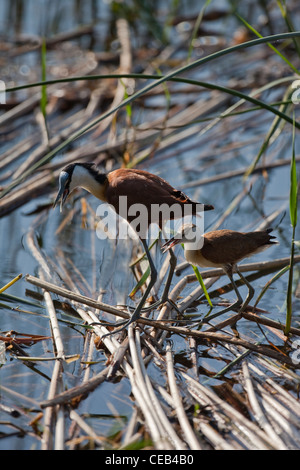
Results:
x,y
260,104
269,135
294,187
288,21
270,45
128,107
141,282
146,274
270,282
149,87
289,309
199,277
10,283
196,27
95,122
293,216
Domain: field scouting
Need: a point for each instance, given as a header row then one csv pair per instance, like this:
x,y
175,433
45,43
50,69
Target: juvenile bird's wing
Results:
x,y
228,246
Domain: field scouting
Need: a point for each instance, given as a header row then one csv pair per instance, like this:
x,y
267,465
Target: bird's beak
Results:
x,y
63,191
208,207
170,243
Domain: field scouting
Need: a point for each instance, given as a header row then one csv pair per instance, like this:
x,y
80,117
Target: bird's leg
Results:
x,y
239,297
250,290
173,262
229,271
165,295
137,311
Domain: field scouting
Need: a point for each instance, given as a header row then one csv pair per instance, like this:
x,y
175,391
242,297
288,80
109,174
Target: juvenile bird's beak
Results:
x,y
63,191
170,243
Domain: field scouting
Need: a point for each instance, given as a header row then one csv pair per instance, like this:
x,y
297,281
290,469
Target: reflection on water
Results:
x,y
48,17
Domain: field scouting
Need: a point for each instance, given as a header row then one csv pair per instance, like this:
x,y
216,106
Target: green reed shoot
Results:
x,y
197,26
272,133
283,10
293,217
128,106
285,59
269,283
199,277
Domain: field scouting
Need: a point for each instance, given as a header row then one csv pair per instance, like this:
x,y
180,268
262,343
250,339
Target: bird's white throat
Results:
x,y
193,244
83,178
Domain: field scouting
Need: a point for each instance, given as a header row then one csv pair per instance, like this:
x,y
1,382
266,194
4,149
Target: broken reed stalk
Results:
x,y
201,335
188,431
256,266
56,383
258,411
163,429
65,397
222,412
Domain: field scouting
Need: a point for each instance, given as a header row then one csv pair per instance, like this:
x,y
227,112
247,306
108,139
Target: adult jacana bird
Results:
x,y
139,187
222,249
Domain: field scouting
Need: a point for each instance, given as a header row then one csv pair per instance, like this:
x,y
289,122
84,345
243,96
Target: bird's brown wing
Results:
x,y
228,246
142,187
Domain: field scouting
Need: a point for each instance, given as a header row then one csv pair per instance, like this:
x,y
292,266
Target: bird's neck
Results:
x,y
191,246
97,189
189,250
193,255
94,184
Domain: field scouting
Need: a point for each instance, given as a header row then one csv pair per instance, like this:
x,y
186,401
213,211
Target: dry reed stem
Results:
x,y
258,412
65,397
187,429
24,107
123,33
204,335
167,438
240,172
280,418
215,438
86,428
56,383
256,266
158,437
255,437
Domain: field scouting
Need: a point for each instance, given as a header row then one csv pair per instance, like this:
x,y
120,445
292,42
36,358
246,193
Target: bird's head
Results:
x,y
190,234
84,175
64,189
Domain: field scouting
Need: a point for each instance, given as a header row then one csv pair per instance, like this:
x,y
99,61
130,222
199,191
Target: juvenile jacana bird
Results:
x,y
139,187
222,249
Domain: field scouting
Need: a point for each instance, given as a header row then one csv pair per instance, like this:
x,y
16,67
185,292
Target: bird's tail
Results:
x,y
271,240
184,199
